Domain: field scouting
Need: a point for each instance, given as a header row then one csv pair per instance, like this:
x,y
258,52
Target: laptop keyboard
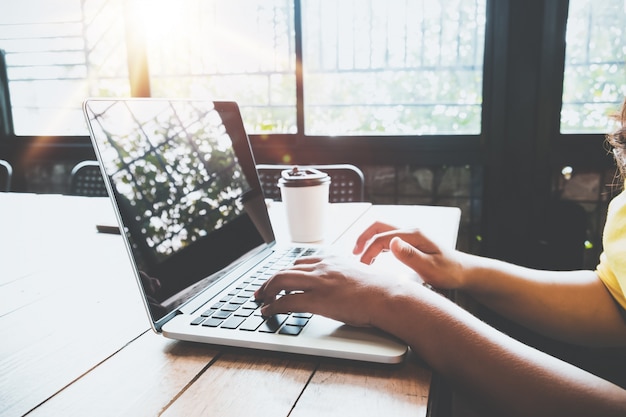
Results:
x,y
238,310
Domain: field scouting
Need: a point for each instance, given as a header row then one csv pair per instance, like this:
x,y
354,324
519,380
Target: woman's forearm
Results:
x,y
514,378
573,306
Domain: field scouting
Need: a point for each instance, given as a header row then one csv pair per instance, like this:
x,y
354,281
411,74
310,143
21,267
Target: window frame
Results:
x,y
520,144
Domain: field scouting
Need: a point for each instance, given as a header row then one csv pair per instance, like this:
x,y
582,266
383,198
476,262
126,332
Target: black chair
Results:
x,y
346,181
6,172
86,180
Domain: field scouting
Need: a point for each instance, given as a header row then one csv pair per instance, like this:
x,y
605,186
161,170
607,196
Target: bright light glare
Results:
x,y
157,18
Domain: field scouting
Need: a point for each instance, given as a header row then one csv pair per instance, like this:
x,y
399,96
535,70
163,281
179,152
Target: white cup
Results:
x,y
305,196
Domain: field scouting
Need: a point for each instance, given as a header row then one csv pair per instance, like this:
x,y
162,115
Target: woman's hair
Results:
x,y
617,140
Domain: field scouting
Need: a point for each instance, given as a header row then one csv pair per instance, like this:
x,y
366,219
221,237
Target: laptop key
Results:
x,y
297,321
272,324
239,300
221,315
230,307
212,322
252,323
198,320
250,305
217,305
243,312
233,322
290,330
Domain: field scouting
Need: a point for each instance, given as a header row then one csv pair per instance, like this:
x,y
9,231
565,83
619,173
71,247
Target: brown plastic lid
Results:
x,y
302,177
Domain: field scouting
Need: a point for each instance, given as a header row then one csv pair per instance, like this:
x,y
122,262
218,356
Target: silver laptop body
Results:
x,y
183,182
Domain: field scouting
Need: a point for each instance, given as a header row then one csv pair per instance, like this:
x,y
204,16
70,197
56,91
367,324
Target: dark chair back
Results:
x,y
86,180
346,181
6,172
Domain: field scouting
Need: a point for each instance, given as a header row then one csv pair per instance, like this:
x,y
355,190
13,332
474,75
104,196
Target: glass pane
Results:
x,y
58,53
61,51
594,82
237,50
393,67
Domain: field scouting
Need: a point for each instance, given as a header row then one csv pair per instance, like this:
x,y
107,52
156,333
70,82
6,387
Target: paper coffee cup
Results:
x,y
305,196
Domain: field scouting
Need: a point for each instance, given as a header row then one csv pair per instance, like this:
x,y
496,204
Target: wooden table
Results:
x,y
76,340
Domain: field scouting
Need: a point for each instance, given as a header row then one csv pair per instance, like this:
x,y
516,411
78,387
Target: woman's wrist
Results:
x,y
473,272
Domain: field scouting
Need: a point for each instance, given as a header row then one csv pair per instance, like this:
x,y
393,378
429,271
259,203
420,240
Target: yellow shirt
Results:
x,y
612,266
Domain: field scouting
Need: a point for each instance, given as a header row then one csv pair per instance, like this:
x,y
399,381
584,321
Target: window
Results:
x,y
238,50
370,67
594,79
58,53
394,67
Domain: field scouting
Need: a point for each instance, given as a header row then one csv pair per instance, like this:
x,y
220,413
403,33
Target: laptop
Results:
x,y
183,182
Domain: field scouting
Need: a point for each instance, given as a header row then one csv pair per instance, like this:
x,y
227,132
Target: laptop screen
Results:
x,y
184,180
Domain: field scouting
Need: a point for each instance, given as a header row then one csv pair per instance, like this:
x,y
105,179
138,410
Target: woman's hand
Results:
x,y
335,287
436,266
